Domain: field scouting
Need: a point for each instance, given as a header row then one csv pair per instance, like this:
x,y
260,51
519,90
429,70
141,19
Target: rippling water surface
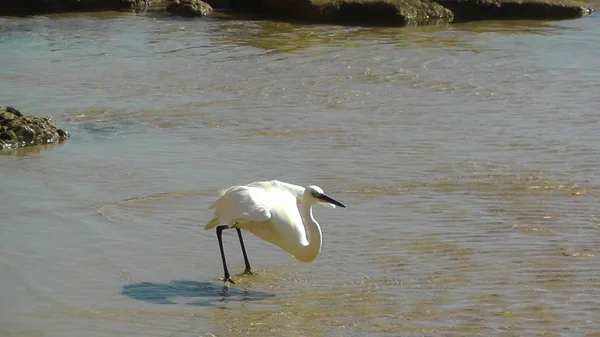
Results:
x,y
467,156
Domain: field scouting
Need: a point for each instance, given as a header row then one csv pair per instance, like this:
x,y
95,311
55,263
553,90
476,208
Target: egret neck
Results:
x,y
309,252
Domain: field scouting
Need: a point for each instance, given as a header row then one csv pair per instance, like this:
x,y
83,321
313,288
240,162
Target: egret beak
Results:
x,y
330,201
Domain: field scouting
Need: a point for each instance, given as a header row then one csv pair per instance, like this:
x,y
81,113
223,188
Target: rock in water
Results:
x,y
189,8
17,130
377,12
412,12
475,10
34,7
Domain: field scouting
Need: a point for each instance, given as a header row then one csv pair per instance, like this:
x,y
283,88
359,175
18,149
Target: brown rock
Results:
x,y
18,130
189,8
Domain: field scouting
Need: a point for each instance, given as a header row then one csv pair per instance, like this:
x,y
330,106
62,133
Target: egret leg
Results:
x,y
227,277
248,270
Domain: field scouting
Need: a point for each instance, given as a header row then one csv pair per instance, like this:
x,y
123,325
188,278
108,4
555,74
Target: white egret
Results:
x,y
269,210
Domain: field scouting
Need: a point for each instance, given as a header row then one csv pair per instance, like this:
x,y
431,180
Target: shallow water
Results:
x,y
467,156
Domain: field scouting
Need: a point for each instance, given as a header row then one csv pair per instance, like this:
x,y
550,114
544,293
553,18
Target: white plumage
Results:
x,y
269,210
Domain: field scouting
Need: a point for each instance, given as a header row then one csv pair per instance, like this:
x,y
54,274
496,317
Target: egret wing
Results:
x,y
241,203
275,185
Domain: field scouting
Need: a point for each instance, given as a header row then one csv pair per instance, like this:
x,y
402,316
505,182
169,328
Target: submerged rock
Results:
x,y
189,8
17,130
33,7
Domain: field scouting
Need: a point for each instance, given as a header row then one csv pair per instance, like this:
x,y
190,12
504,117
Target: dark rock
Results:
x,y
7,135
14,111
471,10
242,5
235,5
17,130
409,12
62,133
371,12
189,8
33,7
221,3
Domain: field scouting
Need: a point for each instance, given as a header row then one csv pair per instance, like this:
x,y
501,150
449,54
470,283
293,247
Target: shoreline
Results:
x,y
347,12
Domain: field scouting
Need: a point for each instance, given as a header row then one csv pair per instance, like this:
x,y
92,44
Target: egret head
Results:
x,y
317,196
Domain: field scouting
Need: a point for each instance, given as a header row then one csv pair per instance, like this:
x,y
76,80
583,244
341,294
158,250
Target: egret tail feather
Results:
x,y
212,224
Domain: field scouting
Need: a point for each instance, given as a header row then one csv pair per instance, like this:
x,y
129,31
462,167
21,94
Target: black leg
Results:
x,y
248,269
227,277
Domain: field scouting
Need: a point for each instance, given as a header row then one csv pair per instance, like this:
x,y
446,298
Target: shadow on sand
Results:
x,y
204,294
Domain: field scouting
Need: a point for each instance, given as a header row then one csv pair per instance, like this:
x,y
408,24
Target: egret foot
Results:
x,y
227,280
249,271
